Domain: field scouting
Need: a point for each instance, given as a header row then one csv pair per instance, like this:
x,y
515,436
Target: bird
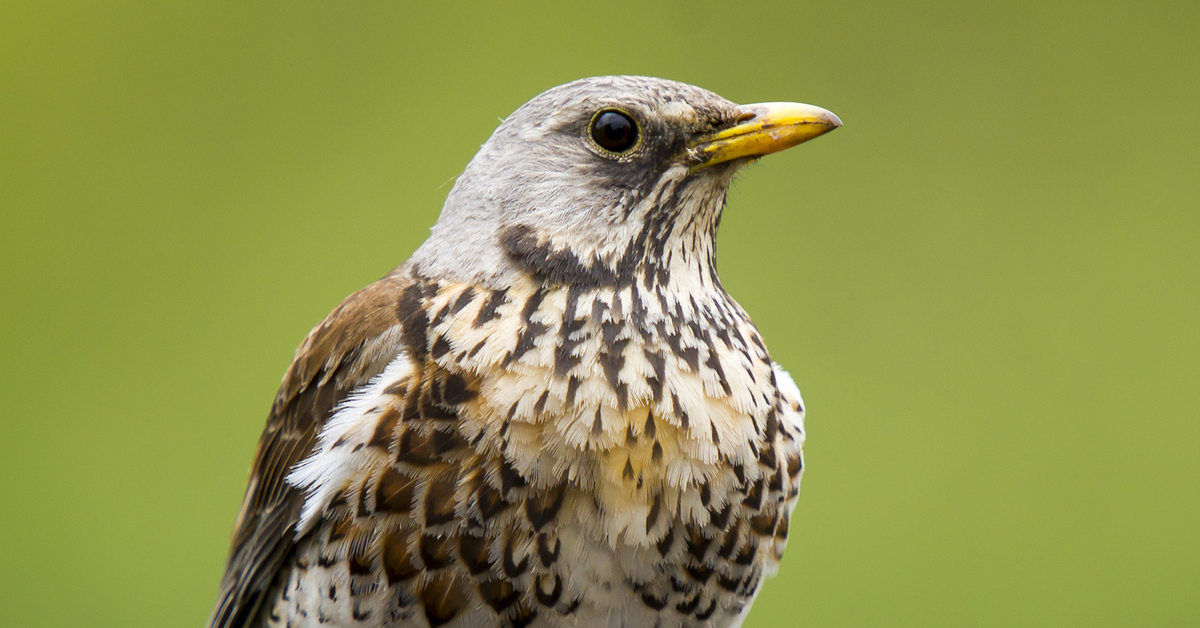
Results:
x,y
552,414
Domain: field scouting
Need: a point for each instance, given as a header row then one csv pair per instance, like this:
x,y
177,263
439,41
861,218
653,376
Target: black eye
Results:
x,y
614,131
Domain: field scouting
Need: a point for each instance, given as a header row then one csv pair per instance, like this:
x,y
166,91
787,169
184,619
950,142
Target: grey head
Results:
x,y
605,180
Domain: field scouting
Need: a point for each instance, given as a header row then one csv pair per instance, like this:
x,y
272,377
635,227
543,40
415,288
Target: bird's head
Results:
x,y
606,180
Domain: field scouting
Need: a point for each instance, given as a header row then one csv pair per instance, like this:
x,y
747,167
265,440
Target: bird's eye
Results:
x,y
614,131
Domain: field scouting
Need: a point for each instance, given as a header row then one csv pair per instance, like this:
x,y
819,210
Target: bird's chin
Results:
x,y
723,174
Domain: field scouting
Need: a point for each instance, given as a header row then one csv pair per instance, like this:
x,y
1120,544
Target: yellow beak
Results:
x,y
765,128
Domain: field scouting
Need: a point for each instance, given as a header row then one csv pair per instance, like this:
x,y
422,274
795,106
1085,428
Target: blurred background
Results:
x,y
987,284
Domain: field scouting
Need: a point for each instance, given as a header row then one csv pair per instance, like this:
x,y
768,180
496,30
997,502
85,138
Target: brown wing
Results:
x,y
353,344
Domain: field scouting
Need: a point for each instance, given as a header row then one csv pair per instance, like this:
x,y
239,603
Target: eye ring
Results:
x,y
614,131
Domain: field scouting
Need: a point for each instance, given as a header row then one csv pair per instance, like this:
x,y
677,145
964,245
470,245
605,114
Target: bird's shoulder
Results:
x,y
351,345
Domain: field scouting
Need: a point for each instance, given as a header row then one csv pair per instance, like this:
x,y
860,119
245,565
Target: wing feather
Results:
x,y
352,345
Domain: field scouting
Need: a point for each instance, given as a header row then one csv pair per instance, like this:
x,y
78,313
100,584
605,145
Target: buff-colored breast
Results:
x,y
557,456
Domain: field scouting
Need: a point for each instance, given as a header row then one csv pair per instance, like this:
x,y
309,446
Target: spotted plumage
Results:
x,y
552,415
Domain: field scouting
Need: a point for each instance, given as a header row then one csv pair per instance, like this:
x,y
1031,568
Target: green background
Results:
x,y
986,284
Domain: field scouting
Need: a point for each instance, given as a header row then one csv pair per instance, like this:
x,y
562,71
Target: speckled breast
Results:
x,y
552,457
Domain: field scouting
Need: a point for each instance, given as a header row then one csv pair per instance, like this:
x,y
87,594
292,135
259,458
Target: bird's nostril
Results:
x,y
746,117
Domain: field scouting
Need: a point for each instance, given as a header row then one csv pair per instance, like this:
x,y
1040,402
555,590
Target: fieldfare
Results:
x,y
553,414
